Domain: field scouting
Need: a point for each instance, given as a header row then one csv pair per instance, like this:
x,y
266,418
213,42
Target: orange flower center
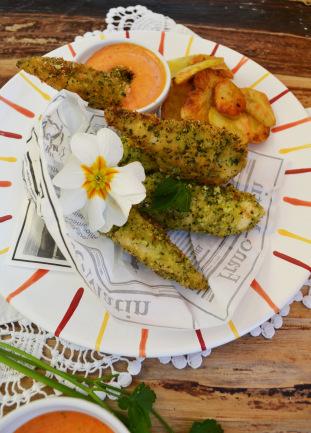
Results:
x,y
97,178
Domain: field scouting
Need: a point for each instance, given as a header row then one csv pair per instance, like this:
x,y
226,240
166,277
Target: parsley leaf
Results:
x,y
172,194
138,405
206,426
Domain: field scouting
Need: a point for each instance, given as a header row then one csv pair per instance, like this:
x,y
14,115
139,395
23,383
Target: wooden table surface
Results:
x,y
250,385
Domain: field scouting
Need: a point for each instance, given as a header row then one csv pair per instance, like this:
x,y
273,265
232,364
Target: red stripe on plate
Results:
x,y
10,135
22,110
29,282
72,51
290,124
127,34
161,45
275,98
214,50
292,260
5,218
298,171
70,310
200,339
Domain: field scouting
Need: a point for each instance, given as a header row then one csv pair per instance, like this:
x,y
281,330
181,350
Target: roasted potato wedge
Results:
x,y
258,106
209,78
258,132
197,105
186,73
228,98
175,100
237,125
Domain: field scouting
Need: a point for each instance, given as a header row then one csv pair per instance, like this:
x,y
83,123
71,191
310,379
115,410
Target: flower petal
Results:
x,y
71,175
84,146
135,168
110,146
113,215
125,183
72,200
95,209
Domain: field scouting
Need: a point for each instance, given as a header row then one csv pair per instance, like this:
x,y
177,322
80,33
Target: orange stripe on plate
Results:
x,y
31,280
240,64
143,342
290,124
189,45
5,183
36,88
296,201
72,51
18,108
8,158
101,331
295,148
233,329
288,234
161,45
263,77
260,291
298,170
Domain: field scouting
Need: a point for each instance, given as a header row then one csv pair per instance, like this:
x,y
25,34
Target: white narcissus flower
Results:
x,y
92,181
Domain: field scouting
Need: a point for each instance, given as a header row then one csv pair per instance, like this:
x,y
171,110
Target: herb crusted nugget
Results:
x,y
217,210
188,149
149,243
99,89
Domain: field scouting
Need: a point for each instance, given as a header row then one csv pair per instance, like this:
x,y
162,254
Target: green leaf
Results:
x,y
172,194
206,426
139,405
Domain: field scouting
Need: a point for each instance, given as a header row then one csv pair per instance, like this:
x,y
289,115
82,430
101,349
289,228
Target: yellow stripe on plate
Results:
x,y
36,88
189,45
233,329
8,158
263,77
101,332
295,148
288,234
102,36
5,250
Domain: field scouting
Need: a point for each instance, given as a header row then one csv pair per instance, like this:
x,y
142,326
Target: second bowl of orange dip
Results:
x,y
151,75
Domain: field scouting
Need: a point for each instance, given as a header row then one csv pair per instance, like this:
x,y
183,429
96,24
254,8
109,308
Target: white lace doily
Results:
x,y
63,355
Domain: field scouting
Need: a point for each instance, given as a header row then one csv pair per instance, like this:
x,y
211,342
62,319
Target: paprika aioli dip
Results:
x,y
149,72
64,422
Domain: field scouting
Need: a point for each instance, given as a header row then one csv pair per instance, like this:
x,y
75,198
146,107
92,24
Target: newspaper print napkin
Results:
x,y
128,289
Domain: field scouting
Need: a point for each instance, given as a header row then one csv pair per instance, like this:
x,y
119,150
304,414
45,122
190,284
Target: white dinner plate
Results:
x,y
60,302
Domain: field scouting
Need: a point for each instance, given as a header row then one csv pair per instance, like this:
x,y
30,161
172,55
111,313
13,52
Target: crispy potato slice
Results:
x,y
175,100
258,106
209,78
258,132
197,105
186,73
180,63
237,125
228,98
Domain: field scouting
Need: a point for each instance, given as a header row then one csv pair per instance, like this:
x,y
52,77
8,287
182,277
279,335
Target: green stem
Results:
x,y
167,427
41,378
20,355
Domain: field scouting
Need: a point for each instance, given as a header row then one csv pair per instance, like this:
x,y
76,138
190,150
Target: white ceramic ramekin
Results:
x,y
9,423
85,54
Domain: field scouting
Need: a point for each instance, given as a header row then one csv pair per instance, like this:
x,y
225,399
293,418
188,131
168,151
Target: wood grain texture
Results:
x,y
250,385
